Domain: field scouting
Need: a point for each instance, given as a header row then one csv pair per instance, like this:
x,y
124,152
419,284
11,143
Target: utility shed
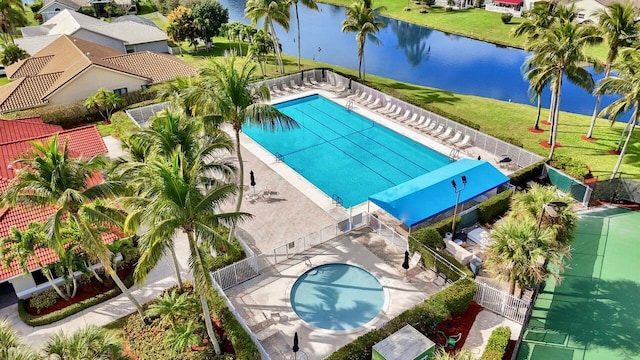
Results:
x,y
405,344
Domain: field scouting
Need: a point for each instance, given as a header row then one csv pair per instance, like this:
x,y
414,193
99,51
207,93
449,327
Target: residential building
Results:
x,y
52,7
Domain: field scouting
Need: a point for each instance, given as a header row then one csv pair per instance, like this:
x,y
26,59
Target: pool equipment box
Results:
x,y
405,344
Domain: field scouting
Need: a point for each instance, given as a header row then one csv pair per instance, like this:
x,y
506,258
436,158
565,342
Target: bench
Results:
x,y
461,254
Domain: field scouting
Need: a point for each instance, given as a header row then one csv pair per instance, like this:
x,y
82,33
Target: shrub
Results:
x,y
429,237
570,166
448,9
495,207
71,309
456,298
531,172
444,226
36,6
497,344
44,300
506,18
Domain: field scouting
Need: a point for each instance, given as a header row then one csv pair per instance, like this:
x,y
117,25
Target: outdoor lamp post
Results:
x,y
455,209
552,209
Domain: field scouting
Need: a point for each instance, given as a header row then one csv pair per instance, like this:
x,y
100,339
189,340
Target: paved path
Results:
x,y
483,326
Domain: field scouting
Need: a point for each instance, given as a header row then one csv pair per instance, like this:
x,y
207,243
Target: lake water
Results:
x,y
419,55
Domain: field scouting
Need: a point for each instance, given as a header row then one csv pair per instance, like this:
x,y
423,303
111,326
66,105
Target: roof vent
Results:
x,y
10,167
88,53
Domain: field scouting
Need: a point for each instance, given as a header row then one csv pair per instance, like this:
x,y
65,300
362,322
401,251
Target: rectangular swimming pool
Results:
x,y
343,153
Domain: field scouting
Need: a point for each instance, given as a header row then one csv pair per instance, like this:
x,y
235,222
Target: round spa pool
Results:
x,y
337,297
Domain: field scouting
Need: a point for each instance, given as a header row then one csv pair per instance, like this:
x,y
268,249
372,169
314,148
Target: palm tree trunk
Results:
x,y
537,125
74,281
360,62
177,266
633,119
276,45
622,135
93,271
55,287
556,117
123,288
596,109
240,183
209,325
512,287
552,111
298,23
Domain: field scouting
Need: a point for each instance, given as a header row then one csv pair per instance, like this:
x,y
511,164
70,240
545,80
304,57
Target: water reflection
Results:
x,y
412,39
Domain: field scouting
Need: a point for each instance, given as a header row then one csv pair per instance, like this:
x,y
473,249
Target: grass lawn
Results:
x,y
155,17
498,118
4,80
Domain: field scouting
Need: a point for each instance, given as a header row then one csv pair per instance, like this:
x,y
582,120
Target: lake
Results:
x,y
419,55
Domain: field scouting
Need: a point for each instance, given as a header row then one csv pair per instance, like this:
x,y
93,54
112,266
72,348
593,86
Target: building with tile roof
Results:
x,y
16,137
51,8
124,36
71,69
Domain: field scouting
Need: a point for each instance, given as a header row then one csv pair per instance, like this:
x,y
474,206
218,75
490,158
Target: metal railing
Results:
x,y
501,302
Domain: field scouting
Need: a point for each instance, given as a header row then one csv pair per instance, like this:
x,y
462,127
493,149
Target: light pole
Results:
x,y
553,209
455,209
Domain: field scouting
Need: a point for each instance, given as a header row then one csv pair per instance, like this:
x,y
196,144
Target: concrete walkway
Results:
x,y
483,326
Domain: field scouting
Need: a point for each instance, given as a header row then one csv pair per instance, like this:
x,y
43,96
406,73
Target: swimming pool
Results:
x,y
337,296
343,153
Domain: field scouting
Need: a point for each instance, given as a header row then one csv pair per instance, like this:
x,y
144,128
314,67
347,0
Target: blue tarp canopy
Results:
x,y
431,194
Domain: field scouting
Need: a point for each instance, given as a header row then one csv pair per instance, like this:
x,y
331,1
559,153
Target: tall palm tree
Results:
x,y
363,20
12,15
259,48
182,196
619,27
311,4
49,176
226,95
559,53
538,20
22,246
520,252
91,342
271,11
625,83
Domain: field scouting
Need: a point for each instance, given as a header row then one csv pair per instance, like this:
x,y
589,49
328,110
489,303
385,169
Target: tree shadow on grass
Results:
x,y
423,95
599,313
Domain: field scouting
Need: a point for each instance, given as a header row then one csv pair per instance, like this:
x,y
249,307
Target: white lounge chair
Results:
x,y
395,113
296,86
376,104
438,130
418,122
447,133
455,138
314,82
404,117
412,120
464,143
424,125
340,88
431,127
286,88
385,108
358,94
276,90
391,110
366,100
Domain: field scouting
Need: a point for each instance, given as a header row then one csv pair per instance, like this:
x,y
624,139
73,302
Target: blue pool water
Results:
x,y
337,297
343,153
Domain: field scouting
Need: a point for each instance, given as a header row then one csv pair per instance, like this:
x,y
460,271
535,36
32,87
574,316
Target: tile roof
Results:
x,y
155,66
66,57
14,130
83,141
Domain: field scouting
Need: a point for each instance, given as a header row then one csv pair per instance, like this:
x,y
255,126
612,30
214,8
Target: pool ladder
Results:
x,y
279,157
336,199
454,154
349,105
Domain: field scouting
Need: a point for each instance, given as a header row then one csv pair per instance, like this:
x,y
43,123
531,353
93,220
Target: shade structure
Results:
x,y
431,194
510,2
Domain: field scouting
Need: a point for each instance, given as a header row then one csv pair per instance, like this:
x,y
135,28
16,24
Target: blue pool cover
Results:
x,y
431,194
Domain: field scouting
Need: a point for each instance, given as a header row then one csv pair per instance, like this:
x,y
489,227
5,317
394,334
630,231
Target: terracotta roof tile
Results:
x,y
18,129
157,67
28,67
26,92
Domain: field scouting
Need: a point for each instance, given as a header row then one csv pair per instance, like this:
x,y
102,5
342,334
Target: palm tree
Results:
x,y
183,196
259,48
172,306
91,342
12,53
538,20
272,11
226,95
12,15
560,52
460,355
22,246
619,27
180,337
625,83
311,4
363,20
520,252
49,176
105,101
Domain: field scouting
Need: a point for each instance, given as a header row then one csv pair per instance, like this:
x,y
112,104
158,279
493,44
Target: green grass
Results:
x,y
497,118
105,130
154,16
4,80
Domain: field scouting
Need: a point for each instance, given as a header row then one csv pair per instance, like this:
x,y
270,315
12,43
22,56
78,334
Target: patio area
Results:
x,y
264,302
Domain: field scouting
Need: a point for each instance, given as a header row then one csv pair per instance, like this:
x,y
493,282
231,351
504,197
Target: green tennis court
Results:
x,y
595,312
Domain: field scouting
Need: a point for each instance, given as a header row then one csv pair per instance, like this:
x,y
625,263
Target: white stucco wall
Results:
x,y
91,80
157,46
22,283
100,39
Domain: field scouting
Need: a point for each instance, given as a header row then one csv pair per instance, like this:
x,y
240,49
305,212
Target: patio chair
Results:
x,y
276,90
446,134
405,117
438,130
425,125
390,110
374,105
358,94
385,108
286,88
398,114
295,86
464,143
416,124
455,138
413,120
366,100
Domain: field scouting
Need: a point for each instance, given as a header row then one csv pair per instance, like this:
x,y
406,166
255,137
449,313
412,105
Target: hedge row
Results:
x,y
570,166
495,207
424,317
50,318
497,344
